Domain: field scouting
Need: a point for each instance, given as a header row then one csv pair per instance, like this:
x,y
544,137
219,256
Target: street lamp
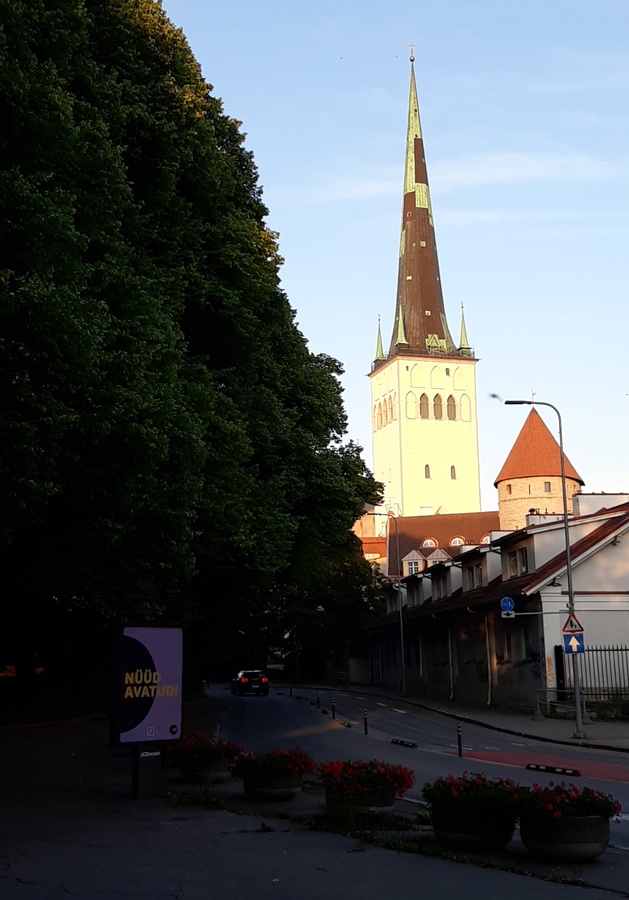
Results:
x,y
391,516
575,672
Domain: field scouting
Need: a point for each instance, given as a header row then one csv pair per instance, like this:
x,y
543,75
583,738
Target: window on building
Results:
x,y
437,407
508,647
485,539
508,489
453,473
457,541
523,559
413,566
426,471
394,407
547,487
423,406
451,407
513,564
390,409
379,415
440,588
478,575
429,542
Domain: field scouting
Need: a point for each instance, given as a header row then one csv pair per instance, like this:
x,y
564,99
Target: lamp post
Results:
x,y
575,672
393,518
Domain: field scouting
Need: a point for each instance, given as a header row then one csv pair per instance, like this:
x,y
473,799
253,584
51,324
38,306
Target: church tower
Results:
x,y
423,391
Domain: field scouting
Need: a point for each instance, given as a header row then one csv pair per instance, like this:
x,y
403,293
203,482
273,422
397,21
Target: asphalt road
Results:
x,y
68,828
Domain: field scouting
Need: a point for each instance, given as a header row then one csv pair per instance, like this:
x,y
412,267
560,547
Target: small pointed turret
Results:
x,y
401,334
464,346
379,347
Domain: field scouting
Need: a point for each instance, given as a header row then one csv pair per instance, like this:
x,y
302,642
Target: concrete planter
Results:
x,y
272,787
466,828
565,838
380,800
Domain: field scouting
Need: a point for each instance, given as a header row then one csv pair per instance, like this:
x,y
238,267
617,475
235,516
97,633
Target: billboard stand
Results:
x,y
147,771
147,708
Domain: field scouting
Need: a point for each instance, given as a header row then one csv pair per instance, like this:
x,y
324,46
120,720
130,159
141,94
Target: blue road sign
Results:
x,y
507,604
573,643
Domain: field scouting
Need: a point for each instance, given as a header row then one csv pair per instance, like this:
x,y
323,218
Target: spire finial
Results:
x,y
412,56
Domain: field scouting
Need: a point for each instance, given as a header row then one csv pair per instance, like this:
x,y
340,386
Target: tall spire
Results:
x,y
419,297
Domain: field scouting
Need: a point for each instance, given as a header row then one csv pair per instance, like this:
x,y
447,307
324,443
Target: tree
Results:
x,y
164,427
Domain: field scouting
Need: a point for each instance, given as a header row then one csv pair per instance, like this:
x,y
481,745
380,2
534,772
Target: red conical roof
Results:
x,y
535,453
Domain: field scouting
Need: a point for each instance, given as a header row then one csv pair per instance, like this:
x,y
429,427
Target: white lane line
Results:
x,y
385,705
401,711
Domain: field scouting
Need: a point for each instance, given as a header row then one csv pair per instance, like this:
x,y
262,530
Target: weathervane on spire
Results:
x,y
412,57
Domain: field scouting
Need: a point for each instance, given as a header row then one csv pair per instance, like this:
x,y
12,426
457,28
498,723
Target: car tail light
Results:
x,y
244,680
264,680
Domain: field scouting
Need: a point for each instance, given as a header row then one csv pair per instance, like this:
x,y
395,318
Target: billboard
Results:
x,y
148,689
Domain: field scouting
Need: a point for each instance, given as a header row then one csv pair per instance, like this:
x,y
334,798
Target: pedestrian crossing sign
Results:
x,y
572,626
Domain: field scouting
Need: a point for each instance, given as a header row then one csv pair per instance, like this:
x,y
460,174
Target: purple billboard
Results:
x,y
148,685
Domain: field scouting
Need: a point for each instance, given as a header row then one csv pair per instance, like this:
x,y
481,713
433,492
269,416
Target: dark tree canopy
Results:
x,y
164,429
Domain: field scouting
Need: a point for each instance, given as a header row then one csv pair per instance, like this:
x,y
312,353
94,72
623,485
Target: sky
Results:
x,y
525,118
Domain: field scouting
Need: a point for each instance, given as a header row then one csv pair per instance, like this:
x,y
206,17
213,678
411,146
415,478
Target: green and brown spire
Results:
x,y
420,326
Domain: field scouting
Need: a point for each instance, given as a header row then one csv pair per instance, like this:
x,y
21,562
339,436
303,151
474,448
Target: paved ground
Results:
x,y
69,827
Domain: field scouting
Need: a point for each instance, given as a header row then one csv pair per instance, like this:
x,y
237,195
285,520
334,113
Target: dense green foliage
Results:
x,y
170,449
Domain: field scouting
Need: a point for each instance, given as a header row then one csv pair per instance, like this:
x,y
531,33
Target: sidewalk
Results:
x,y
68,826
596,735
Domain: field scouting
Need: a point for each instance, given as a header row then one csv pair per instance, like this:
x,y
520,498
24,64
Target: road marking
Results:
x,y
401,711
386,705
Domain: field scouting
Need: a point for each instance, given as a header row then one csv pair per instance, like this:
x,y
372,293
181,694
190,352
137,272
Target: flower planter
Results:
x,y
380,800
567,837
465,828
259,786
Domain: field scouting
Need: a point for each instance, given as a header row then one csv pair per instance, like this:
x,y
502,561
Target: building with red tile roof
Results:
x,y
530,479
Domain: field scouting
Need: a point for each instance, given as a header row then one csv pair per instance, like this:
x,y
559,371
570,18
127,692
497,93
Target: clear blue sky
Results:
x,y
524,110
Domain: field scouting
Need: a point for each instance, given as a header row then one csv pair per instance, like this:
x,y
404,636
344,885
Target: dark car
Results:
x,y
250,681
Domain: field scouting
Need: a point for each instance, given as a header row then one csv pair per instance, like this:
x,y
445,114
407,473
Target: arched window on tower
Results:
x,y
424,406
375,418
384,413
411,406
453,473
437,407
466,409
379,415
426,471
394,406
451,407
390,409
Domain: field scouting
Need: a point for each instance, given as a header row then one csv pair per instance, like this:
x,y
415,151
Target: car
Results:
x,y
251,681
